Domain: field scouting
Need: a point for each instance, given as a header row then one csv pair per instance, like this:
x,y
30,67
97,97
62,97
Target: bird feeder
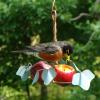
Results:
x,y
52,67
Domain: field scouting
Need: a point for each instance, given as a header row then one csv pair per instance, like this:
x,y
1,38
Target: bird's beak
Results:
x,y
67,57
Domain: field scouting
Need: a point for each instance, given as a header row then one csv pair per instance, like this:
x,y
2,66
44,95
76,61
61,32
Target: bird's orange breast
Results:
x,y
51,57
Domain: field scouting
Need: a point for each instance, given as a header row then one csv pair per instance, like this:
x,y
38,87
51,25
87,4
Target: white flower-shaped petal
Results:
x,y
23,72
48,75
36,77
89,74
83,79
25,76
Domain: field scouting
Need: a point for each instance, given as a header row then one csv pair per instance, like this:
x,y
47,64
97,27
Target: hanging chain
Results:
x,y
54,17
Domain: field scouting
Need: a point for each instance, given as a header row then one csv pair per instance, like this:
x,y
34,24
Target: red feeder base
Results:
x,y
64,74
39,66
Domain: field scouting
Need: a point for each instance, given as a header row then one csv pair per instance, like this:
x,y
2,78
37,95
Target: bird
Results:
x,y
51,51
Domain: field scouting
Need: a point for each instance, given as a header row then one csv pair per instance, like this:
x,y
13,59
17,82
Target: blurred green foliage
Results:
x,y
23,20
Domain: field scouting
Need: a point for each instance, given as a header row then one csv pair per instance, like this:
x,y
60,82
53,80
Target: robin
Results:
x,y
52,51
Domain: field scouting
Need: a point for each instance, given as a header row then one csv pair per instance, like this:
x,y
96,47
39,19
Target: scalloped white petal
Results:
x,y
25,76
23,72
36,77
83,79
48,76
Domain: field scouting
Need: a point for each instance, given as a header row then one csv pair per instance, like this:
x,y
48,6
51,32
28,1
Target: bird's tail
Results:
x,y
29,52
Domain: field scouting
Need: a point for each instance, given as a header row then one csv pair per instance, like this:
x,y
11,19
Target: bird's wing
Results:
x,y
45,48
50,47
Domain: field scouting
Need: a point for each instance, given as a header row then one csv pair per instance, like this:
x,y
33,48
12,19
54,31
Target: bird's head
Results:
x,y
67,51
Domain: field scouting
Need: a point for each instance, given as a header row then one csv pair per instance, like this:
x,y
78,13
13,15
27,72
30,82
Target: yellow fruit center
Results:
x,y
65,68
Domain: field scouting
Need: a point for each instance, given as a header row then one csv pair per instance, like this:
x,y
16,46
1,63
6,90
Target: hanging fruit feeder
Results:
x,y
48,69
64,73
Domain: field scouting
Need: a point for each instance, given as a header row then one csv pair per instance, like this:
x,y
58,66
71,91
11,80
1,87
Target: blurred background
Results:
x,y
27,22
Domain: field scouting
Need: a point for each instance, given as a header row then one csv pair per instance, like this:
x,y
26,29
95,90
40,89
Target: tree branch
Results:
x,y
80,16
